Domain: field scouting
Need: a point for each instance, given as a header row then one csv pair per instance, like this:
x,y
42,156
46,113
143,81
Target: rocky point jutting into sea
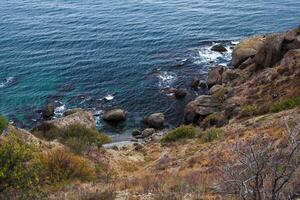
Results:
x,y
241,140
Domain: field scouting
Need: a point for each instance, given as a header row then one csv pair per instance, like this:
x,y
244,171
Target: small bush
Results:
x,y
16,169
59,165
76,136
211,134
182,132
285,104
249,110
3,123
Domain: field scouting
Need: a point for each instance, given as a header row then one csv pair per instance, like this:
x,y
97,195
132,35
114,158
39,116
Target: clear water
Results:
x,y
98,54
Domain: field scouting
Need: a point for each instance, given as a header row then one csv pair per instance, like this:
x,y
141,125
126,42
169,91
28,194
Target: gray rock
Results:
x,y
201,107
148,132
219,48
180,93
156,120
115,115
245,49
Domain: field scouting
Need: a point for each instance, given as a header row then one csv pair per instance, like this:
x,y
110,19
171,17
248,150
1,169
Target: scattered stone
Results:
x,y
180,93
214,77
201,107
115,115
148,132
195,82
156,120
219,48
48,111
245,49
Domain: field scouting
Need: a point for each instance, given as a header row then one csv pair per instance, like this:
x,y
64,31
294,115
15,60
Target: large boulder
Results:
x,y
156,120
115,115
245,49
215,89
48,111
201,107
214,77
81,117
270,52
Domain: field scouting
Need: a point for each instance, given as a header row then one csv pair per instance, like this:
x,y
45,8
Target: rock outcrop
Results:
x,y
245,49
201,107
81,117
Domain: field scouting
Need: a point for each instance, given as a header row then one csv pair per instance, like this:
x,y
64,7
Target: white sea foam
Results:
x,y
7,81
59,111
234,42
109,97
206,55
166,79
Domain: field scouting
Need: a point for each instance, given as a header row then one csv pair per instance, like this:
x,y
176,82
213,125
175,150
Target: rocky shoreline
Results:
x,y
251,100
227,86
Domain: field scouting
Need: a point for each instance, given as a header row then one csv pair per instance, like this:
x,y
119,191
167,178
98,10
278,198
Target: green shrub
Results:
x,y
182,132
285,104
249,110
3,123
211,134
76,136
60,165
16,169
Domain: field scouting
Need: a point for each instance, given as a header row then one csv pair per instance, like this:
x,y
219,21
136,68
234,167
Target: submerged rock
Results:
x,y
180,93
219,48
115,115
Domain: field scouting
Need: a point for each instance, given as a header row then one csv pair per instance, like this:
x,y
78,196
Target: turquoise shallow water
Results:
x,y
76,53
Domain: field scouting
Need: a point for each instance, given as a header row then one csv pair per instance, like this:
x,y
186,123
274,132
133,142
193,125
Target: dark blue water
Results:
x,y
76,53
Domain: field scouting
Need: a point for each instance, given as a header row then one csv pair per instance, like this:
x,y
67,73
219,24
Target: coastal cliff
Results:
x,y
239,141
